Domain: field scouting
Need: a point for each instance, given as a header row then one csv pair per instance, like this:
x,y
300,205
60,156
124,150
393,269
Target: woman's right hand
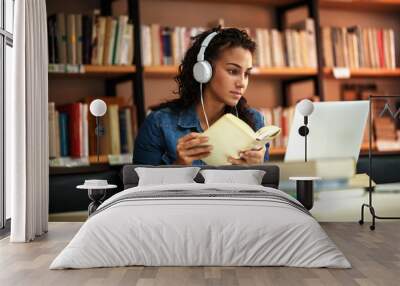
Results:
x,y
192,147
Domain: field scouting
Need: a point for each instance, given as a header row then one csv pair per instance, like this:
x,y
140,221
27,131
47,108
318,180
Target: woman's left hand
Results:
x,y
249,157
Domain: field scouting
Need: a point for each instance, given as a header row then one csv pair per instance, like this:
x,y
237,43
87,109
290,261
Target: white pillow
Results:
x,y
249,177
164,176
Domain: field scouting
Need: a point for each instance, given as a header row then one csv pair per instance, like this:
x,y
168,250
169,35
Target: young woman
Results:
x,y
172,133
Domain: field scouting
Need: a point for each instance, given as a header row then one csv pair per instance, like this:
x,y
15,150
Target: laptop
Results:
x,y
336,131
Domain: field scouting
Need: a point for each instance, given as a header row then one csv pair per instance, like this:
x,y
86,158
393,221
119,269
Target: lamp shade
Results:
x,y
305,107
98,107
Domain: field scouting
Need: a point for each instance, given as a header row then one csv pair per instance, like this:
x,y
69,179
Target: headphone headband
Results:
x,y
204,45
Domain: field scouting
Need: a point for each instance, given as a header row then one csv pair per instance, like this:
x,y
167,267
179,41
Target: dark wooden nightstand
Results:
x,y
304,190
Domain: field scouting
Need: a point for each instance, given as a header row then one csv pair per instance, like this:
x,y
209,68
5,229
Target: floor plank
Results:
x,y
374,255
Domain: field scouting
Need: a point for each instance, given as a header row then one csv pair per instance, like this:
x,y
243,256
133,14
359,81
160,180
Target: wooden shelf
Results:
x,y
97,71
160,70
368,73
261,2
103,159
362,5
92,69
283,72
256,72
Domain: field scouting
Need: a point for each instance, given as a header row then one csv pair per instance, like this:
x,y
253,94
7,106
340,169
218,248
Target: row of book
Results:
x,y
357,47
72,131
295,47
90,39
166,45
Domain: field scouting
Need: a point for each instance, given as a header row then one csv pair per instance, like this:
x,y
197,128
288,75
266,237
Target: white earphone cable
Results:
x,y
204,110
202,104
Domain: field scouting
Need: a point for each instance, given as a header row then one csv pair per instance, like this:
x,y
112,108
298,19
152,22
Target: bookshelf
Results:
x,y
270,85
79,72
367,25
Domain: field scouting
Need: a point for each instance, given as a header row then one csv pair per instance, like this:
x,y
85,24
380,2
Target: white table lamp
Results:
x,y
98,108
306,108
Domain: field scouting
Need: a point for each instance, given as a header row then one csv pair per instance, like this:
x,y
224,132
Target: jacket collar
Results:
x,y
188,118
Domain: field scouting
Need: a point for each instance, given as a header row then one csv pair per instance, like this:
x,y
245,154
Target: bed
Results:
x,y
201,224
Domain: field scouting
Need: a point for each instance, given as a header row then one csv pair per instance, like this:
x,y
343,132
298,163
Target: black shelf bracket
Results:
x,y
138,86
312,6
105,7
318,82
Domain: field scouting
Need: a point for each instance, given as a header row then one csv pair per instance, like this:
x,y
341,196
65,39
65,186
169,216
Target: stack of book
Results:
x,y
294,47
72,130
356,47
77,39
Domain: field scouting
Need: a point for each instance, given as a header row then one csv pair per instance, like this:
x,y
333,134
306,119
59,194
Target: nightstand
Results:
x,y
96,192
304,190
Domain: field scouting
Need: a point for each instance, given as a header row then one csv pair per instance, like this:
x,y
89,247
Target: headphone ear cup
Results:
x,y
202,71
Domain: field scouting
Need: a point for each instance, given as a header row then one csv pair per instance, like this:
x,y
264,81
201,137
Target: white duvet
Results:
x,y
182,231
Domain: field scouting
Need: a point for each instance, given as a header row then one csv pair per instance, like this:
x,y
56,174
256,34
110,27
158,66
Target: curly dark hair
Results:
x,y
188,87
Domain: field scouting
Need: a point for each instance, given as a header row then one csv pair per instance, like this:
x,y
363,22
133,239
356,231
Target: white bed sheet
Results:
x,y
191,231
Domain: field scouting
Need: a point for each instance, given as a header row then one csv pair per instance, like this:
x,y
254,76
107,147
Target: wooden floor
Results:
x,y
374,255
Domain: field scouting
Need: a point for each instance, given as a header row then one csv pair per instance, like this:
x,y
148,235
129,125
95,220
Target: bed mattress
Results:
x,y
201,225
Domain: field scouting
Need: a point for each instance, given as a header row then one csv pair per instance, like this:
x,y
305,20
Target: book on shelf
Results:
x,y
63,134
112,121
72,129
282,117
71,39
76,121
229,135
294,47
358,47
90,39
79,39
305,42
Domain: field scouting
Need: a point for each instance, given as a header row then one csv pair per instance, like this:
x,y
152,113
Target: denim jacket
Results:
x,y
157,138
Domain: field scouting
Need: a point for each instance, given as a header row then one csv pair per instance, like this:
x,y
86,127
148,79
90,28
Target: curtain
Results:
x,y
26,124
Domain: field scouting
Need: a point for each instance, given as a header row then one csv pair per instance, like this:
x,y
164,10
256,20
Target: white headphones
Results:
x,y
202,70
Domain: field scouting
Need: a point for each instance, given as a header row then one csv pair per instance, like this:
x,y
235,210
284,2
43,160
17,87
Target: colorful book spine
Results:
x,y
64,134
74,111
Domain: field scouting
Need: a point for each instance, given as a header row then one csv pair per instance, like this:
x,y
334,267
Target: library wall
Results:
x,y
333,17
261,92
